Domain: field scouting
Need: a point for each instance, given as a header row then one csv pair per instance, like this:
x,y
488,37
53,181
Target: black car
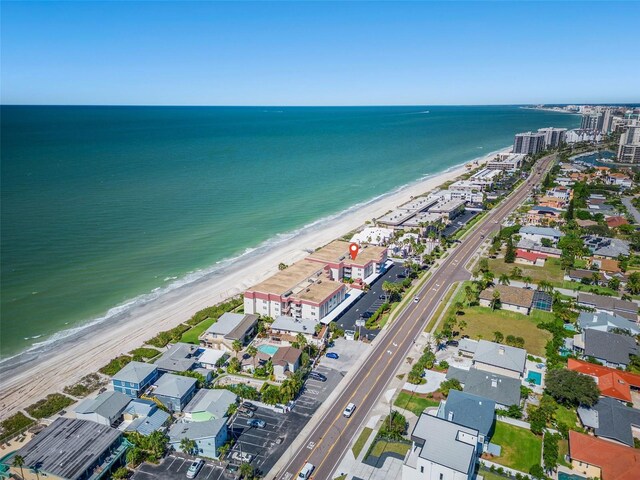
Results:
x,y
317,376
249,406
453,343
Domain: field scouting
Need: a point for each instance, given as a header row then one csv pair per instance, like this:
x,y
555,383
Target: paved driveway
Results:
x,y
173,467
348,351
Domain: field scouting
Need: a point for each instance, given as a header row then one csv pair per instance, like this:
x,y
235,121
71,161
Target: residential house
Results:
x,y
286,329
603,247
585,223
606,265
613,420
211,357
286,361
501,389
467,347
470,411
70,449
530,258
539,216
144,416
209,436
596,458
611,349
537,234
229,328
174,391
511,298
134,378
441,450
611,382
620,179
501,359
606,322
105,409
209,405
180,357
530,246
616,221
581,275
553,202
612,305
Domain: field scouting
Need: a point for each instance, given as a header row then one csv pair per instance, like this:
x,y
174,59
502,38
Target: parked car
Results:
x,y
349,410
257,423
317,376
242,457
195,468
382,297
245,411
333,355
250,406
306,471
453,343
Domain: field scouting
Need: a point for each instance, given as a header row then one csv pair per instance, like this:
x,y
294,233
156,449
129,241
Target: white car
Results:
x,y
349,410
195,468
306,471
416,300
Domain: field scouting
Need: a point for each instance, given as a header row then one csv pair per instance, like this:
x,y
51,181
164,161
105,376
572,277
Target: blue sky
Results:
x,y
237,53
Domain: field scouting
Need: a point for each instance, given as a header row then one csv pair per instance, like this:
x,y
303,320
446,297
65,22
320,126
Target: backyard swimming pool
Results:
x,y
536,377
268,349
567,476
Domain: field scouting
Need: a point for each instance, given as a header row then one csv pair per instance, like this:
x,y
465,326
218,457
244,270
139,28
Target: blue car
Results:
x,y
335,356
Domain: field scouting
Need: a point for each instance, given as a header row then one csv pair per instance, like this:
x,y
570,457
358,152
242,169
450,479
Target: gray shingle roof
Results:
x,y
216,402
195,430
470,411
500,389
108,404
174,386
134,372
468,345
148,424
603,319
546,231
603,302
611,347
503,356
68,447
441,444
303,325
233,326
179,358
611,419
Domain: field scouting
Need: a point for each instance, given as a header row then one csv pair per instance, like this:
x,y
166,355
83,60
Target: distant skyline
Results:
x,y
319,54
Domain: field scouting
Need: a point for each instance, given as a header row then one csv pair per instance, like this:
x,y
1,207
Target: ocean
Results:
x,y
107,207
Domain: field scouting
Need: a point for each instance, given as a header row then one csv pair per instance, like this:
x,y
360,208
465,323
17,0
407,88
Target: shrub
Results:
x,y
393,427
15,423
173,335
144,353
243,391
214,312
115,365
86,385
49,406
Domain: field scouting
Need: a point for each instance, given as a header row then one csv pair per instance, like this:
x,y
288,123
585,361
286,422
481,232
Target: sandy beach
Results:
x,y
93,347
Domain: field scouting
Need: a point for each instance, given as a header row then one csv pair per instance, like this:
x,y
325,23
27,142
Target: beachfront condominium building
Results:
x,y
553,137
589,121
629,147
507,162
528,143
337,260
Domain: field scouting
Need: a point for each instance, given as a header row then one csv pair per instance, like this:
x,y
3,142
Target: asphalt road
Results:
x,y
326,444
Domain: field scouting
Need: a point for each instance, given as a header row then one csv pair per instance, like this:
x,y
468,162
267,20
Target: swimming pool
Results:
x,y
535,376
268,349
567,476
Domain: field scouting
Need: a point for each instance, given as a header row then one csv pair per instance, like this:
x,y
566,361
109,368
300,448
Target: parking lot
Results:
x,y
176,467
262,447
348,352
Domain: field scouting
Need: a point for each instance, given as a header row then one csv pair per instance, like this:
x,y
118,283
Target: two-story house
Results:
x,y
134,378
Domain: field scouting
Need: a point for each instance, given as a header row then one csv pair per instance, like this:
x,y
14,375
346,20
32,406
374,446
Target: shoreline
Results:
x,y
32,374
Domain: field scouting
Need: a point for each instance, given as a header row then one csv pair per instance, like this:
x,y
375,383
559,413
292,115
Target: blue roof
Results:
x,y
148,425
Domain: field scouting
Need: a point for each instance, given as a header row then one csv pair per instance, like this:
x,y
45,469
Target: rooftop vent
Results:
x,y
501,350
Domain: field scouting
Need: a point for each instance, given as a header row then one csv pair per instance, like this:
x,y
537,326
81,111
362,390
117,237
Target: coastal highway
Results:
x,y
327,442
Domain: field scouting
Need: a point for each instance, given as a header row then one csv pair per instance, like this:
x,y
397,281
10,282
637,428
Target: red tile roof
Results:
x,y
616,462
615,222
531,256
611,382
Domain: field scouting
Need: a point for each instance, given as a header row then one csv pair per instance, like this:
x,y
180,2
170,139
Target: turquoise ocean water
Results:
x,y
103,204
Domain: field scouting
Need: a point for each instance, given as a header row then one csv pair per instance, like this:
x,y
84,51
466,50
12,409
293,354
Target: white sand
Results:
x,y
67,363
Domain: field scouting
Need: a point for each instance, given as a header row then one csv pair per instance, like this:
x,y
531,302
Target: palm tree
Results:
x,y
595,278
504,279
246,470
495,299
459,308
516,272
18,461
187,445
527,280
252,352
387,287
236,346
462,325
498,337
487,278
545,286
469,295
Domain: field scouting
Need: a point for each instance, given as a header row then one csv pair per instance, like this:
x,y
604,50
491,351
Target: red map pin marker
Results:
x,y
353,250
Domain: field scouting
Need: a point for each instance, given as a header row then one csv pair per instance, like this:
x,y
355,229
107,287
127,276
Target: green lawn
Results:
x,y
487,475
191,335
585,288
362,439
551,272
459,298
482,322
383,446
413,403
563,449
566,416
520,448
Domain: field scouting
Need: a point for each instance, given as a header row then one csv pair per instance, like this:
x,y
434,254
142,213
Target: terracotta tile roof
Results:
x,y
586,223
520,297
616,462
615,222
608,265
531,256
611,382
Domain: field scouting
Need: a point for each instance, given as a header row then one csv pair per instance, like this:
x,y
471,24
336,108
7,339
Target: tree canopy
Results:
x,y
572,388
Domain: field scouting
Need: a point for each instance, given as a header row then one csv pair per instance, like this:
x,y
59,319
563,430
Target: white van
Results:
x,y
195,468
349,410
306,471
